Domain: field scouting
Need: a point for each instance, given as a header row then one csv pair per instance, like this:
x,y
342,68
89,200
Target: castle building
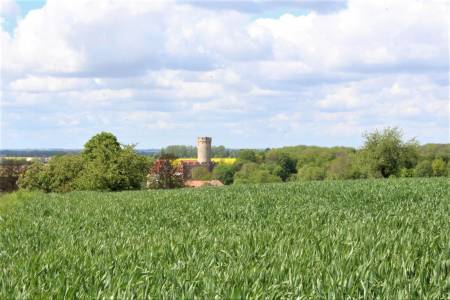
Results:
x,y
204,154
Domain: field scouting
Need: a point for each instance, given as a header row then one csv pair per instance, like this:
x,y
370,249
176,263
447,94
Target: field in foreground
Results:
x,y
358,239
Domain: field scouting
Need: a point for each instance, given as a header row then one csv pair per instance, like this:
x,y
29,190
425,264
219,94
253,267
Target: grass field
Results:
x,y
315,240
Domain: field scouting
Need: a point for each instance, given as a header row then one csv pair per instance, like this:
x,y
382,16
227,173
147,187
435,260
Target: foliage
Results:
x,y
102,165
224,173
201,173
386,152
190,151
341,168
62,172
252,173
287,165
311,173
365,239
435,151
59,175
247,155
424,169
134,167
439,167
220,151
35,178
102,147
180,151
108,166
405,172
10,171
164,175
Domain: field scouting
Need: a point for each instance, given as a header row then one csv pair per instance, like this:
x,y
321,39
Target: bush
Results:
x,y
405,172
439,167
424,169
341,168
103,165
251,173
224,173
35,178
62,172
311,173
163,175
10,171
247,155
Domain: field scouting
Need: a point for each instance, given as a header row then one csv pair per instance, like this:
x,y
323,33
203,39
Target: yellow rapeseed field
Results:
x,y
225,160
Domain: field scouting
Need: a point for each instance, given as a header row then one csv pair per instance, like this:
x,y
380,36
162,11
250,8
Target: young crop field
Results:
x,y
362,239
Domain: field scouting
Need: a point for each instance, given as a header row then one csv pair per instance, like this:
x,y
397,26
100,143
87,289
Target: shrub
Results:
x,y
311,173
35,178
63,171
224,173
424,169
163,175
251,173
340,168
10,171
102,165
247,155
405,172
439,167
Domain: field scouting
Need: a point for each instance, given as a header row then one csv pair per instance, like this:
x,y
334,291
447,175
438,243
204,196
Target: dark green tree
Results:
x,y
224,173
103,165
247,155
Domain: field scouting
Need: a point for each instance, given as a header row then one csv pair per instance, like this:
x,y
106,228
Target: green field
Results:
x,y
315,240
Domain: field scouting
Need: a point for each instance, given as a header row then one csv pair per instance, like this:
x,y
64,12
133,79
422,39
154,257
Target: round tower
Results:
x,y
204,150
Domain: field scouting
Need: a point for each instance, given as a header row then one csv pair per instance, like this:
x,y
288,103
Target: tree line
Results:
x,y
384,154
105,164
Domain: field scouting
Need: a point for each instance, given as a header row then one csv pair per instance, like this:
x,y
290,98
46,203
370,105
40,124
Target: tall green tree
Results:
x,y
247,155
386,152
102,165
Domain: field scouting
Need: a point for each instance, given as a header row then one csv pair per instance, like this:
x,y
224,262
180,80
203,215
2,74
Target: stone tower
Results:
x,y
204,150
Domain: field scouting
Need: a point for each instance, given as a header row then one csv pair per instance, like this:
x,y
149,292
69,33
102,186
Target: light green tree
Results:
x,y
386,152
439,167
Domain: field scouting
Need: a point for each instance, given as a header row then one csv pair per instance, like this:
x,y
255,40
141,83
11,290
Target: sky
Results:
x,y
250,74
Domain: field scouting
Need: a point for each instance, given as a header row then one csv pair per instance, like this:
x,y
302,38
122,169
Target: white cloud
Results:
x,y
51,84
368,33
9,8
171,65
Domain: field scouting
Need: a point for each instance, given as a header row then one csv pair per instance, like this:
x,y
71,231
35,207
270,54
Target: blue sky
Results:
x,y
248,73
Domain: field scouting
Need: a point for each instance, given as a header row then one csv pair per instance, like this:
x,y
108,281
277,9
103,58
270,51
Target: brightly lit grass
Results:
x,y
385,239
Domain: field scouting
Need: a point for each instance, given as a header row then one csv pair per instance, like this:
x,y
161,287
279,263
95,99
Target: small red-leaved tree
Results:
x,y
164,175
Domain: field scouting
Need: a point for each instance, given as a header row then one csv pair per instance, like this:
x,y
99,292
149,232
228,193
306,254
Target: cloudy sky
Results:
x,y
247,73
